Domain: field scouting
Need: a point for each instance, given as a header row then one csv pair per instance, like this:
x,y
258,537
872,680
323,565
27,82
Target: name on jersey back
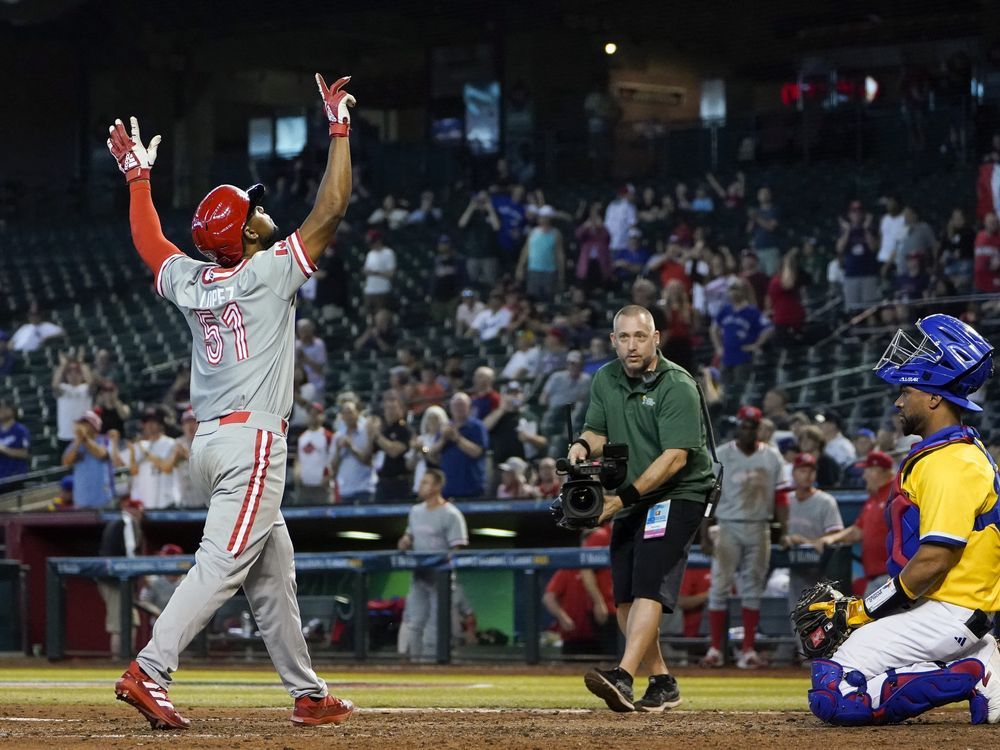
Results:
x,y
217,296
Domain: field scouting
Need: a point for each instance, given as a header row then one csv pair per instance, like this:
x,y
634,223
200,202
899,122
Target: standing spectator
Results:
x,y
762,226
104,368
742,552
121,537
542,265
492,321
460,450
619,217
303,397
310,351
380,335
891,231
434,526
956,258
523,363
190,492
914,284
314,451
513,427
570,386
593,264
15,445
825,466
549,481
513,480
389,215
511,211
582,602
30,336
446,281
553,359
352,459
784,297
738,332
485,398
89,457
757,279
379,271
986,270
703,202
631,260
114,412
870,528
467,311
919,239
479,224
418,458
430,391
151,463
426,213
838,446
72,383
812,515
391,438
677,337
856,248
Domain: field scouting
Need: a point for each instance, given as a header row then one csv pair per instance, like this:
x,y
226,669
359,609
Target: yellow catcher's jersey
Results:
x,y
951,486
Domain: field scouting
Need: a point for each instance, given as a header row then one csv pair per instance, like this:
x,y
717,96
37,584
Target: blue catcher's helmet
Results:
x,y
952,360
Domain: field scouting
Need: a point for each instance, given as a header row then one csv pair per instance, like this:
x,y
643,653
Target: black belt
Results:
x,y
980,623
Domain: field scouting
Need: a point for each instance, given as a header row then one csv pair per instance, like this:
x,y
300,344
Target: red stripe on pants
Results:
x,y
249,493
255,505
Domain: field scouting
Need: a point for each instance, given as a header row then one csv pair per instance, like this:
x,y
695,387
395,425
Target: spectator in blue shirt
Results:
x,y
15,442
511,210
461,447
738,331
762,226
629,262
89,456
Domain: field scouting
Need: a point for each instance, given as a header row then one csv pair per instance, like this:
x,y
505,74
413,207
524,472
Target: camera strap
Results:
x,y
716,491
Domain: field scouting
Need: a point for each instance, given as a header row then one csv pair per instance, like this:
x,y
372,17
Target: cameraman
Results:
x,y
652,405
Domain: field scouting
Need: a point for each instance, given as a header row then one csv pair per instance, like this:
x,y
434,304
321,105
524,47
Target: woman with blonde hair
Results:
x,y
420,456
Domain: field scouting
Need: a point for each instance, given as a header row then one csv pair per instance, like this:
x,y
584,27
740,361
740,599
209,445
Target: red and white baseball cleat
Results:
x,y
712,659
137,689
328,710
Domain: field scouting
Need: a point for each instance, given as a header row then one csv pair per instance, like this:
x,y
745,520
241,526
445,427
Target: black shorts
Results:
x,y
653,568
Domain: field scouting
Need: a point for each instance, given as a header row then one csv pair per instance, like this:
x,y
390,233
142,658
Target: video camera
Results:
x,y
581,499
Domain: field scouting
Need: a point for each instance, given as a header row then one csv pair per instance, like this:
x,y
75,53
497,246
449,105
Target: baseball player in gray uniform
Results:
x,y
241,311
742,551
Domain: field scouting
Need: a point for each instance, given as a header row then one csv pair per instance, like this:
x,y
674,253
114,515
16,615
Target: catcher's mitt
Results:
x,y
820,634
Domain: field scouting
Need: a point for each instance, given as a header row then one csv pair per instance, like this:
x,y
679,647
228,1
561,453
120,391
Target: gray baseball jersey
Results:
x,y
815,516
749,484
243,323
436,530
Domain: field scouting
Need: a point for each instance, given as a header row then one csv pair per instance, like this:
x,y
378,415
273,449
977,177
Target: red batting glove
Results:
x,y
336,102
134,160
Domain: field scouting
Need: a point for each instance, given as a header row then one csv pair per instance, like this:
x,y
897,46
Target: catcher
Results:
x,y
921,640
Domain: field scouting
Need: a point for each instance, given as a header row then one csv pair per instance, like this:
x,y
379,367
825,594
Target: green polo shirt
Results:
x,y
650,415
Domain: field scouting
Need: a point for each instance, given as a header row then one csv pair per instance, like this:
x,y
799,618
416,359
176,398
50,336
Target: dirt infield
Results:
x,y
118,726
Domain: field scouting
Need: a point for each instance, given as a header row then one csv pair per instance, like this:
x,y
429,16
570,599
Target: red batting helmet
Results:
x,y
217,226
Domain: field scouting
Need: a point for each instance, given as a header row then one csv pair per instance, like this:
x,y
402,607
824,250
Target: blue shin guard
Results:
x,y
905,695
827,702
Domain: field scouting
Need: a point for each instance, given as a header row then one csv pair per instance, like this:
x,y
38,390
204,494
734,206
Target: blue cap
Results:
x,y
66,483
444,239
786,444
865,432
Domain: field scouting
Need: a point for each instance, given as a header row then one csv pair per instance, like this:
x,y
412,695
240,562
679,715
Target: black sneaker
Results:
x,y
612,685
661,694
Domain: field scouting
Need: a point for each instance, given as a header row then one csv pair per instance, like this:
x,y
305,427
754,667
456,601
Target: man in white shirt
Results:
x,y
72,384
310,352
620,216
352,458
492,321
523,363
891,230
379,270
467,311
151,463
838,446
312,461
34,333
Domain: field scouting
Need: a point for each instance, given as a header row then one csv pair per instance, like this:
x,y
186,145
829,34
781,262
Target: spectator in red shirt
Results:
x,y
692,598
583,604
549,482
784,300
986,266
677,343
669,265
870,528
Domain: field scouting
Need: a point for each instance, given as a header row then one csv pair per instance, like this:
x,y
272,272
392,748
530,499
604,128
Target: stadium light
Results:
x,y
610,48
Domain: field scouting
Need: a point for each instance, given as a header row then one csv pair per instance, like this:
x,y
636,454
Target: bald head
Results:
x,y
635,340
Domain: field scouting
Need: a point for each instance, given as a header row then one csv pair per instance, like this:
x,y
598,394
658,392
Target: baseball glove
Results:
x,y
821,630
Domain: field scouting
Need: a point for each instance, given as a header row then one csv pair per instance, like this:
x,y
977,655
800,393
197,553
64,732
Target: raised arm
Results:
x,y
335,187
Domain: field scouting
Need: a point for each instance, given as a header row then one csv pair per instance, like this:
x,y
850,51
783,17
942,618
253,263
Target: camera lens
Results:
x,y
583,501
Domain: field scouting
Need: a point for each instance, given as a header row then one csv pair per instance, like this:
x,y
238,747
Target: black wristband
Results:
x,y
887,599
584,443
629,495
